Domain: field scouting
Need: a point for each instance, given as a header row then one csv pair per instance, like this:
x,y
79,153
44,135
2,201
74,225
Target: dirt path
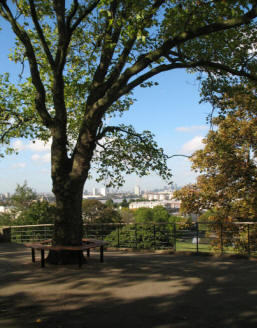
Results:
x,y
128,290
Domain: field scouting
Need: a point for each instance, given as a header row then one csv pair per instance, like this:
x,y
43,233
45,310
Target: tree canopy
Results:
x,y
23,196
227,164
86,58
158,214
94,211
25,208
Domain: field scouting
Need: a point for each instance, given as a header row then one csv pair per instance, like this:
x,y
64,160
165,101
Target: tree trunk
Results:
x,y
69,176
68,226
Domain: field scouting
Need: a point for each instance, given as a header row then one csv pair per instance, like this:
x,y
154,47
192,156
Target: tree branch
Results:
x,y
71,14
109,44
111,129
63,39
100,145
65,30
179,155
225,68
210,64
107,53
122,61
41,34
162,68
201,63
83,15
145,60
12,127
36,80
130,43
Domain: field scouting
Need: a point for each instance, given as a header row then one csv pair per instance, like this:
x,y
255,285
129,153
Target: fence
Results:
x,y
233,238
28,233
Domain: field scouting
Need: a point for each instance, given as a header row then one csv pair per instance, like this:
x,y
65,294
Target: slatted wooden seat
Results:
x,y
87,245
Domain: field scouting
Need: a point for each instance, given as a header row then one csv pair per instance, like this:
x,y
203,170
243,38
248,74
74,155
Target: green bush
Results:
x,y
142,236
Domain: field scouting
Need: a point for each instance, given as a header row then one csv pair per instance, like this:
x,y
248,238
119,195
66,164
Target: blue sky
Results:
x,y
170,110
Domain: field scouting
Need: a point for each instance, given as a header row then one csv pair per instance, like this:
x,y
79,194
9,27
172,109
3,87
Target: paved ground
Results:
x,y
128,290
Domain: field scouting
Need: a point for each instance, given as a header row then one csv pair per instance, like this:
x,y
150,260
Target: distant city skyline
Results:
x,y
103,191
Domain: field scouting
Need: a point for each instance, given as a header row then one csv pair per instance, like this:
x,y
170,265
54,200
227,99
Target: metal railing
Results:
x,y
31,233
233,238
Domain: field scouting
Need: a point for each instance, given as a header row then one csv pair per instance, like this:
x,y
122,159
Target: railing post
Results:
x,y
118,236
102,232
10,234
248,240
221,238
175,237
154,236
86,230
197,238
136,235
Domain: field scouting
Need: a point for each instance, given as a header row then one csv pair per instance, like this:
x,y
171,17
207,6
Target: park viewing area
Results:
x,y
234,238
139,286
75,111
132,289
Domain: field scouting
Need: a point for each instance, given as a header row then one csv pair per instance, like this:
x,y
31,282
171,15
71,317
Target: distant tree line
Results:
x,y
101,219
25,208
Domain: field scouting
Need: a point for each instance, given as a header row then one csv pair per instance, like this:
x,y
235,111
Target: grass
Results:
x,y
189,246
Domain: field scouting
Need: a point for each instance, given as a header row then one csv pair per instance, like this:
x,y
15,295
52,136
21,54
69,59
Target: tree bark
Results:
x,y
68,226
69,176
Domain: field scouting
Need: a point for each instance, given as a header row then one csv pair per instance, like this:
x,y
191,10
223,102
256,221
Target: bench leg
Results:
x,y
33,255
88,252
42,258
101,253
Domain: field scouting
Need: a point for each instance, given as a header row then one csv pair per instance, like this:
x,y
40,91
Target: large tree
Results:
x,y
84,60
93,211
227,183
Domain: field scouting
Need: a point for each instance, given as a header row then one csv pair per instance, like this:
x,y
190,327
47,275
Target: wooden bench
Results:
x,y
87,245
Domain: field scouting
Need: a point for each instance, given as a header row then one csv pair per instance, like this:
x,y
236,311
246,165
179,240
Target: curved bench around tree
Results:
x,y
87,245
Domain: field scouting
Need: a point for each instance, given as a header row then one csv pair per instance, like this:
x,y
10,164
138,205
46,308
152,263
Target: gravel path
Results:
x,y
128,290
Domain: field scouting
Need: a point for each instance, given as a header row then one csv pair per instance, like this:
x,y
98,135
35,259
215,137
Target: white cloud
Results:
x,y
18,145
37,145
35,157
192,128
46,158
193,145
19,165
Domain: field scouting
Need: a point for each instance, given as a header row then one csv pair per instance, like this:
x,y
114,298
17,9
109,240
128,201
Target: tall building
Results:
x,y
103,191
137,190
94,191
7,195
169,204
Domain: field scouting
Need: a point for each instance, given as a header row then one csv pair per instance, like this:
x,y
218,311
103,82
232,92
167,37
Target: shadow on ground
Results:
x,y
128,290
